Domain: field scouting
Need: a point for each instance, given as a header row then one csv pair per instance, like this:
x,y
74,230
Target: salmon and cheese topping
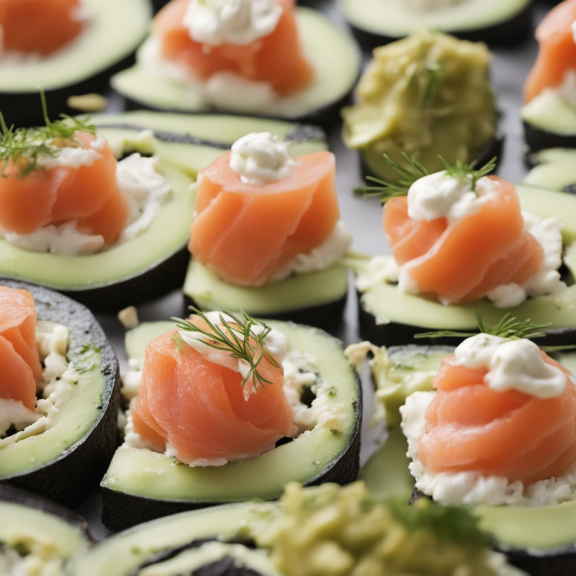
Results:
x,y
62,190
552,80
460,235
38,28
243,55
222,388
499,429
35,375
261,216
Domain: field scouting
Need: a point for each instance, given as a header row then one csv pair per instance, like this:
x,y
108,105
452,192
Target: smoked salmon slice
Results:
x,y
470,427
41,26
248,233
89,194
475,254
20,368
200,409
276,58
557,53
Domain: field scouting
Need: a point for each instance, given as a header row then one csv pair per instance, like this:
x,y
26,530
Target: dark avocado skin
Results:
x,y
23,498
493,149
328,316
509,33
538,139
121,510
83,464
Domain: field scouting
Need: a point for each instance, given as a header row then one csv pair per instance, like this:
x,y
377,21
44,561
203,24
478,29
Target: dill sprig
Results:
x,y
387,190
237,338
23,146
462,170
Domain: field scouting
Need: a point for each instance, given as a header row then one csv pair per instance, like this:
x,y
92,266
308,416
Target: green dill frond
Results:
x,y
462,170
387,190
237,338
24,146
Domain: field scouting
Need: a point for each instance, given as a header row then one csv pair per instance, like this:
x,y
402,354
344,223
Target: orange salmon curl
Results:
x,y
470,427
39,26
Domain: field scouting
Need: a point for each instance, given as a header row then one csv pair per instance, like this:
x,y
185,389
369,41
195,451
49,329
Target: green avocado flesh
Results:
x,y
170,230
550,112
121,554
25,524
323,44
295,293
388,304
394,18
556,169
113,32
141,472
73,420
543,529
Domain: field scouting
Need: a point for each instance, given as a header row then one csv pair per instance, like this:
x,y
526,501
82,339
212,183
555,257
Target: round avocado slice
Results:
x,y
82,438
498,23
141,485
154,262
106,45
316,298
323,43
389,317
541,540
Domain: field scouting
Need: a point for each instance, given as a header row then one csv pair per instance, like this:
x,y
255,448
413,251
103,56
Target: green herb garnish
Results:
x,y
462,170
235,337
23,146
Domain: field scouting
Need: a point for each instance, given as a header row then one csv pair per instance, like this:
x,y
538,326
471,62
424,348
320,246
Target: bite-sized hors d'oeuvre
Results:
x,y
340,531
491,21
59,393
65,47
549,113
267,236
463,241
37,537
429,93
263,57
225,408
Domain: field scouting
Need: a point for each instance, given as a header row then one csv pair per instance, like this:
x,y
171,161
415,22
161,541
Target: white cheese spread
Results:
x,y
12,564
239,22
261,157
72,156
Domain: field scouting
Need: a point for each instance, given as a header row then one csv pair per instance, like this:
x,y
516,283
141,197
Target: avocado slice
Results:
x,y
324,43
549,122
106,46
141,485
30,519
389,317
496,22
554,169
315,298
155,262
541,540
81,441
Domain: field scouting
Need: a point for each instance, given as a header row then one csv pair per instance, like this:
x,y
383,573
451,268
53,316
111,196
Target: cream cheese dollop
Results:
x,y
239,22
261,157
513,364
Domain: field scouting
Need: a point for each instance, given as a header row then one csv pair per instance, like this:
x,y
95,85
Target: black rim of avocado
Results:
x,y
385,327
14,495
21,108
492,149
541,139
122,509
508,33
84,462
324,115
159,277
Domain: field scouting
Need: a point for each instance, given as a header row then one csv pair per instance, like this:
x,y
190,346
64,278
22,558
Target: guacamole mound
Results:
x,y
428,94
340,531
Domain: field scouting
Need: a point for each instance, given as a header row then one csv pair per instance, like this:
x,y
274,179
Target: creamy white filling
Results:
x,y
261,157
380,269
144,188
472,488
430,5
223,90
58,381
12,564
240,22
72,157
